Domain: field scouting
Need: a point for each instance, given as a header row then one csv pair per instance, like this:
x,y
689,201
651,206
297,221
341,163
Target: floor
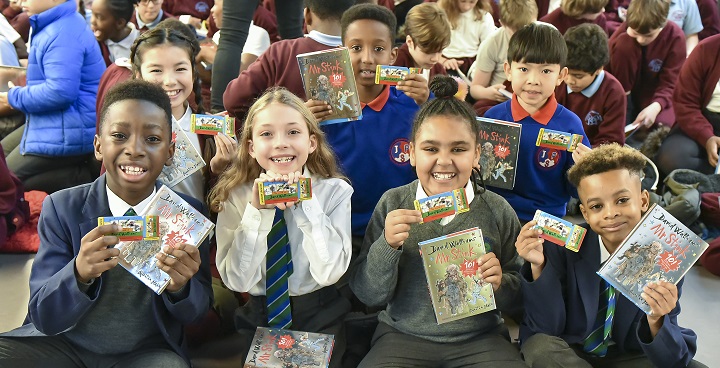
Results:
x,y
700,302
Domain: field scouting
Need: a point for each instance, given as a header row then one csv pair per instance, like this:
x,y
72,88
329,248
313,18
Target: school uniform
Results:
x,y
465,39
686,15
144,27
491,58
196,8
112,50
19,20
710,16
563,22
405,59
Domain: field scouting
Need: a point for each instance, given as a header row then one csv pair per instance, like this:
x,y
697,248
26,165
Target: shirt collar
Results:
x,y
469,192
184,122
590,90
542,116
379,102
325,39
150,25
126,42
604,254
118,206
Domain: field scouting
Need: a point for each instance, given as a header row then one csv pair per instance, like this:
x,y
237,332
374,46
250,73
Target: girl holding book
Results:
x,y
282,141
444,150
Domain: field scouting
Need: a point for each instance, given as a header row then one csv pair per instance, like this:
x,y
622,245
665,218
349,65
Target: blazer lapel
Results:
x,y
96,205
585,265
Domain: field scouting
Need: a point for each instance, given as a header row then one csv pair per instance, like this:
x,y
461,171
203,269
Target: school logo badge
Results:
x,y
655,65
202,7
593,118
400,151
547,158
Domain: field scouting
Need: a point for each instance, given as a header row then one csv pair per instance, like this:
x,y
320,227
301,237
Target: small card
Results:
x,y
212,124
505,93
280,191
133,227
559,140
391,75
561,232
442,205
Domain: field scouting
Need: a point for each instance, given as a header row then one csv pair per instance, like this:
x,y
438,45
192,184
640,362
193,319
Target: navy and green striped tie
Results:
x,y
597,342
130,212
278,269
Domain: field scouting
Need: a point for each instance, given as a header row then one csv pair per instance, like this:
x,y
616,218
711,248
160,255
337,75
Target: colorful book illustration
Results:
x,y
453,273
391,75
442,205
179,222
499,144
559,140
272,347
280,191
561,232
133,227
659,248
328,76
212,124
186,161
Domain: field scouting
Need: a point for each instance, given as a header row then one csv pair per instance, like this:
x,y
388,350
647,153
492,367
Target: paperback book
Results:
x,y
186,161
179,223
272,347
456,286
499,144
659,248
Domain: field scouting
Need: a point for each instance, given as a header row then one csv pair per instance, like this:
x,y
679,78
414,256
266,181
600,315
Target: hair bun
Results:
x,y
443,86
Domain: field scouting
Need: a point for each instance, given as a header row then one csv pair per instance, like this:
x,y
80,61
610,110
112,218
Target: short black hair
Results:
x,y
136,89
537,43
121,9
371,12
445,104
329,9
587,48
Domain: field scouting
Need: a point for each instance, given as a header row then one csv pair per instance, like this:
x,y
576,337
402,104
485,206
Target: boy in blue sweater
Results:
x,y
535,66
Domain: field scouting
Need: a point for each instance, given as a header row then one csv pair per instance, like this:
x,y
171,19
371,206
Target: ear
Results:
x,y
97,148
644,200
409,41
561,76
583,211
171,154
477,154
308,16
507,69
393,55
251,149
313,143
120,23
412,154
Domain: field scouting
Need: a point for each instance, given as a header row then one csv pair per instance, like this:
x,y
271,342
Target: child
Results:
x,y
575,12
487,73
281,141
590,92
278,66
686,14
51,151
535,66
84,309
443,150
427,33
111,26
561,289
471,23
19,19
148,14
646,54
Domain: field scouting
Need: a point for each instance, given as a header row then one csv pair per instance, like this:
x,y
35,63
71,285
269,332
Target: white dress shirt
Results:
x,y
121,49
118,206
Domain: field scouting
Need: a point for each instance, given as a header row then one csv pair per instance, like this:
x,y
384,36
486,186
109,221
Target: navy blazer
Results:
x,y
56,301
564,301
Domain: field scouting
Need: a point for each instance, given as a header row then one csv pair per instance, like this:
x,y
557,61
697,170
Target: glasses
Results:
x,y
147,2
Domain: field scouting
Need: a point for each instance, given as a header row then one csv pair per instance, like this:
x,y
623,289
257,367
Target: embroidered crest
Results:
x,y
547,158
593,118
400,151
655,65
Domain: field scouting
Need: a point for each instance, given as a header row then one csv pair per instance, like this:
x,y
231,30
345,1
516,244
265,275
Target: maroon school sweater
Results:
x,y
196,8
603,114
710,15
405,59
277,66
19,20
133,20
649,72
699,76
562,22
113,75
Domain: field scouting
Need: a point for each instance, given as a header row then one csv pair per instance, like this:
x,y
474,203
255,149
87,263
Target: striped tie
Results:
x,y
279,268
597,342
130,212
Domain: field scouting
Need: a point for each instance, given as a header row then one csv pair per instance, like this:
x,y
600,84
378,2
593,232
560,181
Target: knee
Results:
x,y
535,350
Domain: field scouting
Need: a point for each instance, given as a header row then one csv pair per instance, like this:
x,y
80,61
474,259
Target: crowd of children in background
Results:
x,y
105,93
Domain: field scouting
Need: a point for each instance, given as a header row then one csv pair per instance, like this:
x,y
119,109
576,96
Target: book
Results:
x,y
272,347
133,227
558,140
453,274
499,144
391,74
328,76
631,128
186,160
561,232
212,124
442,205
659,247
179,222
280,191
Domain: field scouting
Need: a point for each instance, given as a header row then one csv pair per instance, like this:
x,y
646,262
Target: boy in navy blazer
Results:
x,y
562,292
84,310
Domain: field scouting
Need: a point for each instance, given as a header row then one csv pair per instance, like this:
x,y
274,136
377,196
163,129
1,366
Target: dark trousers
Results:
x,y
679,151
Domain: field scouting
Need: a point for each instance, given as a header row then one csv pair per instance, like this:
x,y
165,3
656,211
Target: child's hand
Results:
x,y
661,296
180,262
711,146
452,64
97,253
224,154
496,95
415,86
580,151
320,109
397,226
529,246
647,116
490,270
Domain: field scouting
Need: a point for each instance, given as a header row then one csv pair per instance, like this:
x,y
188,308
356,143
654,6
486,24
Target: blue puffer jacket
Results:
x,y
64,70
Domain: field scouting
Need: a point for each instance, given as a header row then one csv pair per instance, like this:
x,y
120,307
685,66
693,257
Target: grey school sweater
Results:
x,y
383,275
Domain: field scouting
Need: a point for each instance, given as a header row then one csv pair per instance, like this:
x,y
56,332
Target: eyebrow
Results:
x,y
621,191
127,124
454,143
287,122
184,62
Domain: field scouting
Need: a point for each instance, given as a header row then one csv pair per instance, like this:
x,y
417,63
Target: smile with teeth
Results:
x,y
132,170
282,160
443,176
173,93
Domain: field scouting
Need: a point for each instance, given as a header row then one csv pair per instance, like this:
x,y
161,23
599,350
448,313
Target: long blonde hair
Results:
x,y
245,169
452,10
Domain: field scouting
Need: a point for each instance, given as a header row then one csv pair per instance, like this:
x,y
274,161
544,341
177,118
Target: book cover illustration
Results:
x,y
179,222
442,205
212,124
561,232
186,161
272,347
659,248
391,75
133,227
558,140
499,144
328,76
452,270
281,191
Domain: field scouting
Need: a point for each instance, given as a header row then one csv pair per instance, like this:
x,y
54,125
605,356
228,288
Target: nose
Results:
x,y
444,158
570,81
135,146
435,57
279,141
610,212
168,79
366,57
532,77
641,40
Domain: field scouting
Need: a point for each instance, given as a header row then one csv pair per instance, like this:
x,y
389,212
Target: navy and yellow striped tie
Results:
x,y
597,342
278,269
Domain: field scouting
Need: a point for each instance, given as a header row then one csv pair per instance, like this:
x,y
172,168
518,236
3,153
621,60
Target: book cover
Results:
x,y
178,222
561,232
451,266
272,347
186,160
442,205
658,248
499,144
328,76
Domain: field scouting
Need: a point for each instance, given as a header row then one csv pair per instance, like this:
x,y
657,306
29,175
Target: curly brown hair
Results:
x,y
607,157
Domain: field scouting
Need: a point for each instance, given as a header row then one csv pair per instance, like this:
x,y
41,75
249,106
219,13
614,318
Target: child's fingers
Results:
x,y
404,216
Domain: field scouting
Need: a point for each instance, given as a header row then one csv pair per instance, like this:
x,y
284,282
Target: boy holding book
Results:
x,y
562,292
84,310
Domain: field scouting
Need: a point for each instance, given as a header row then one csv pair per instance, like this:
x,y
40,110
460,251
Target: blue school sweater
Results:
x,y
374,152
540,179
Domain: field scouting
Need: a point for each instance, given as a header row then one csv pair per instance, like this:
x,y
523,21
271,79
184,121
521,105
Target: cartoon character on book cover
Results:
x,y
186,160
293,349
499,144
